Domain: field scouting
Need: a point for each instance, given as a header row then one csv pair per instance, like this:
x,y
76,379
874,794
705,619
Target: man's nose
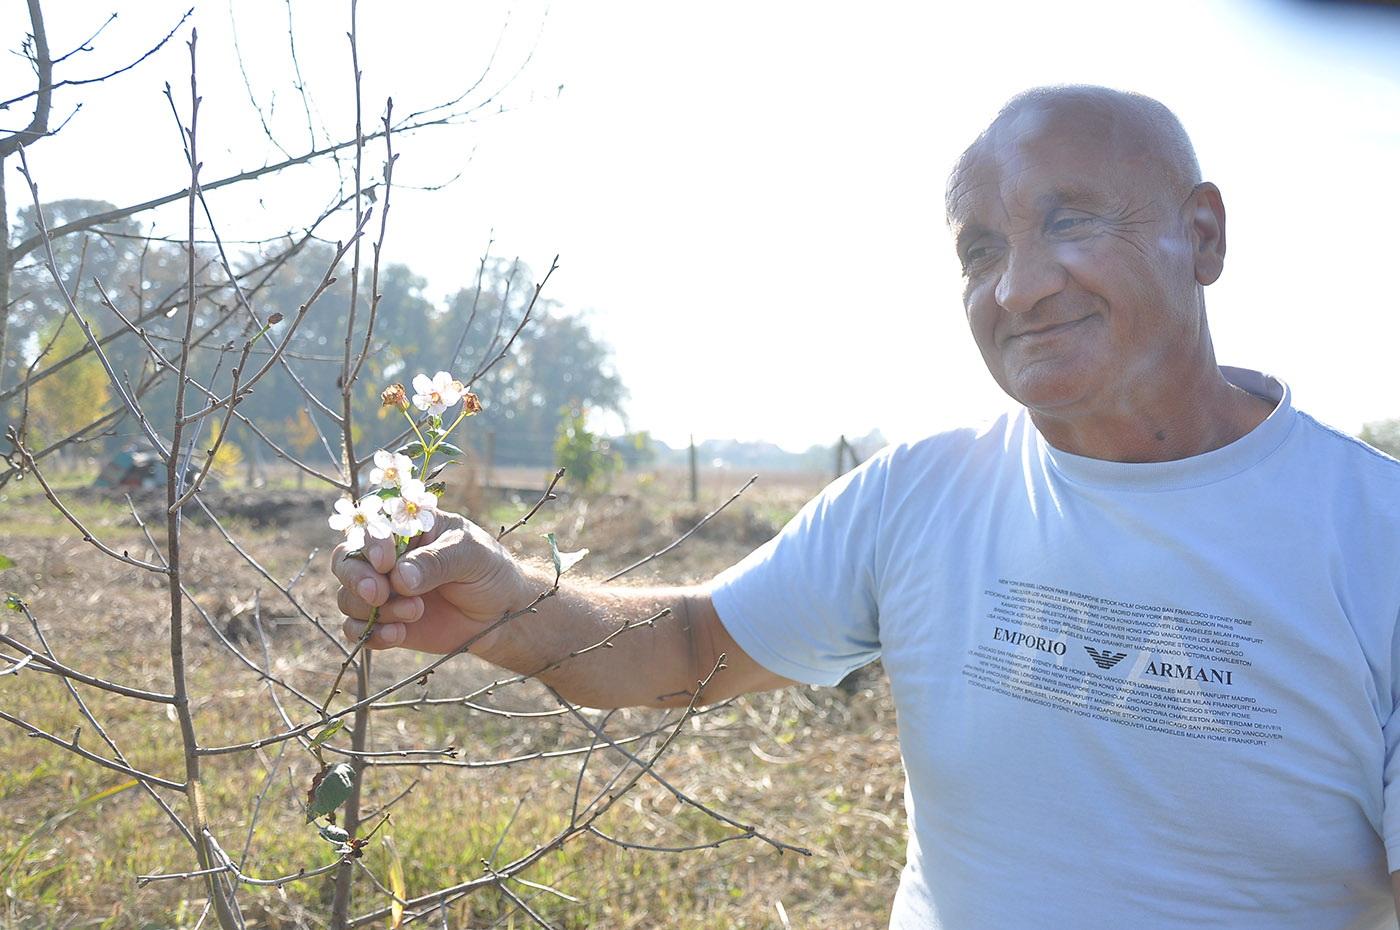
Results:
x,y
1031,274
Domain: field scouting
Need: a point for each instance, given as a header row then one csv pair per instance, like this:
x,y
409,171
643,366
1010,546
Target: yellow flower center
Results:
x,y
411,508
361,519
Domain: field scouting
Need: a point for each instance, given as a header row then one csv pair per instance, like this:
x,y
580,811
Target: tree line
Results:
x,y
532,392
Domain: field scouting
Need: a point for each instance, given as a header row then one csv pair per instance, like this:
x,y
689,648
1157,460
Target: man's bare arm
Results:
x,y
464,581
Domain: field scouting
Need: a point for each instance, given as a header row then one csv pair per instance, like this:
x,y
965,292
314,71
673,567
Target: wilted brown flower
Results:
x,y
274,319
471,403
395,396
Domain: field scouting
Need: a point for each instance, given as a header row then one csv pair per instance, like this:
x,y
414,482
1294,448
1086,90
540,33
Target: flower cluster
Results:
x,y
403,503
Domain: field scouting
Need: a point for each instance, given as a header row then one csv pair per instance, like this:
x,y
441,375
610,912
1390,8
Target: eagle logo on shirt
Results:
x,y
1105,660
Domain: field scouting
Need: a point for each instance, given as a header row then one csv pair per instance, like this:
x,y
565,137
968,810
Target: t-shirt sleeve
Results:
x,y
803,605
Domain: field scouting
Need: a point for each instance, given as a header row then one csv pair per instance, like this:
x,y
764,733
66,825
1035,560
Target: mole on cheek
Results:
x,y
1161,435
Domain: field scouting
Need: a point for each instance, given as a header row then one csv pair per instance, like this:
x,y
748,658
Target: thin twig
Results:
x,y
33,468
548,496
684,536
72,746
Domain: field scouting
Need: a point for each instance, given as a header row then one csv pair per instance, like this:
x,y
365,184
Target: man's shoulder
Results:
x,y
1347,481
991,436
1329,446
943,456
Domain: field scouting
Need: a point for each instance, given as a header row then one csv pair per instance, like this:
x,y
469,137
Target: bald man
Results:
x,y
1137,630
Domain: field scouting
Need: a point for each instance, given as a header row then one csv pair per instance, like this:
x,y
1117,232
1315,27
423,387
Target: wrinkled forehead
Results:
x,y
1069,151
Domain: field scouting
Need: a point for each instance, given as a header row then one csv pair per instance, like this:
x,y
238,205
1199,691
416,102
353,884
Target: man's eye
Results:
x,y
1064,224
976,254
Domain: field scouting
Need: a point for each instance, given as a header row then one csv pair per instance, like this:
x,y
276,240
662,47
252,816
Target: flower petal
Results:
x,y
422,383
339,521
379,527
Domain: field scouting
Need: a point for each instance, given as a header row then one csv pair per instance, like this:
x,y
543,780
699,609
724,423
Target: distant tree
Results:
x,y
58,406
637,449
562,366
1384,435
589,459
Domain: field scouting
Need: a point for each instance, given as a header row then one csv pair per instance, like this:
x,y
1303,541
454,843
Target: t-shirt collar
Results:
x,y
1251,448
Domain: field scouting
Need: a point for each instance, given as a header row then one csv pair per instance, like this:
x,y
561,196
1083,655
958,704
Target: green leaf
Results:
x,y
437,487
333,834
329,790
447,448
13,602
413,450
330,729
563,561
6,562
387,493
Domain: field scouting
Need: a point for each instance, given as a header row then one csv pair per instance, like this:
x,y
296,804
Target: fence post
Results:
x,y
694,471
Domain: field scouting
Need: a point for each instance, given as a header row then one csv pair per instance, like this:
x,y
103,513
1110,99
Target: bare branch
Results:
x,y
73,747
43,67
52,263
45,662
103,77
684,536
505,350
29,465
548,496
101,731
390,689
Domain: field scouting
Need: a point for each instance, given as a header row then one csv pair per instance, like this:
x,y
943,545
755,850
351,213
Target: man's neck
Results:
x,y
1195,419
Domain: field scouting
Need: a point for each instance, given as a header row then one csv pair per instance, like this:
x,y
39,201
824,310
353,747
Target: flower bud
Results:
x,y
395,396
274,319
471,403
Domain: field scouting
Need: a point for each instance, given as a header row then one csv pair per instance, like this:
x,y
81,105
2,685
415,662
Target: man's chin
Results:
x,y
1045,390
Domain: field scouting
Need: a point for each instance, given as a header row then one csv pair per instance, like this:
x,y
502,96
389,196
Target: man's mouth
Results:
x,y
1047,331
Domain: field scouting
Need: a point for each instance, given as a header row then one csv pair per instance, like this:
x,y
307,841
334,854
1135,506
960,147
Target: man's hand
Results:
x,y
457,580
454,581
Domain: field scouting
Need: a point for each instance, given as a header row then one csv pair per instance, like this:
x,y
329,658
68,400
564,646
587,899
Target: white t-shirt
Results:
x,y
1151,695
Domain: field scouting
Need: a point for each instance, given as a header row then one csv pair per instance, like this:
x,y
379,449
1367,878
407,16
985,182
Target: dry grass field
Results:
x,y
813,768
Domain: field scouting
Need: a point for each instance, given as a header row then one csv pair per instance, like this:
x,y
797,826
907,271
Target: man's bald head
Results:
x,y
1134,125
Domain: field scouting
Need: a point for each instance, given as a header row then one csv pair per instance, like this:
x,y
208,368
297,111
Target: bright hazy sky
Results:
x,y
746,197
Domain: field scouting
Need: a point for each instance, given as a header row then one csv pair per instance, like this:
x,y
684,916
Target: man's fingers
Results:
x,y
437,562
404,609
380,553
385,635
359,576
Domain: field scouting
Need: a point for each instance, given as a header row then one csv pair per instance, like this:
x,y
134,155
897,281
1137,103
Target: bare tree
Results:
x,y
184,413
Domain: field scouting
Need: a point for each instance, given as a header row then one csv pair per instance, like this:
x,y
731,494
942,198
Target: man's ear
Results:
x,y
1206,214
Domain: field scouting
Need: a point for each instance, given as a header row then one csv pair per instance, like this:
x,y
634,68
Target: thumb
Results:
x,y
438,561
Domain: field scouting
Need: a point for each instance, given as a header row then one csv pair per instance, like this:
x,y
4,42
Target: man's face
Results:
x,y
1079,281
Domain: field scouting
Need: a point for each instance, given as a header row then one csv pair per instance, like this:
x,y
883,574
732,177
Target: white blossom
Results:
x,y
437,393
355,520
391,469
411,512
